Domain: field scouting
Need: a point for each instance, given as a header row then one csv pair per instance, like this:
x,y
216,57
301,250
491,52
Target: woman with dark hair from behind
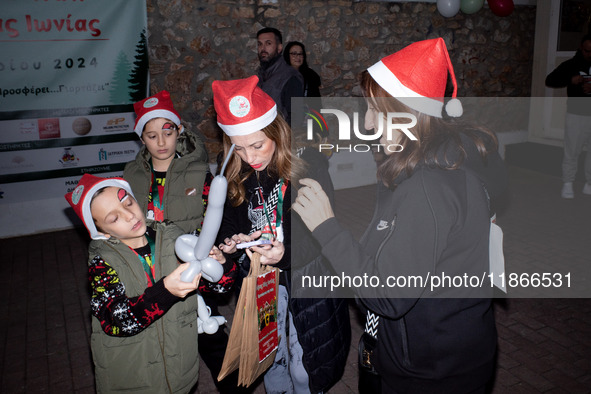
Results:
x,y
295,55
432,216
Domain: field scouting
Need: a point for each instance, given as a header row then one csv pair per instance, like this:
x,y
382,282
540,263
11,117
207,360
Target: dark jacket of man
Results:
x,y
561,77
282,82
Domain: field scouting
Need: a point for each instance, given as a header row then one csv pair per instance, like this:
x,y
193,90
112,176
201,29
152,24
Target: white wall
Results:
x,y
35,217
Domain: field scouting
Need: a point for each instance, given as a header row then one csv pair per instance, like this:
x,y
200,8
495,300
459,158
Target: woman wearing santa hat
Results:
x,y
260,174
432,221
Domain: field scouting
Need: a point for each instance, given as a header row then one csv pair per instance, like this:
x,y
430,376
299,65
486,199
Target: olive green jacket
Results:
x,y
183,190
163,358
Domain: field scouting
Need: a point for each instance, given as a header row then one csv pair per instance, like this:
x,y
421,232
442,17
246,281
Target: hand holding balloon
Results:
x,y
195,250
178,287
185,247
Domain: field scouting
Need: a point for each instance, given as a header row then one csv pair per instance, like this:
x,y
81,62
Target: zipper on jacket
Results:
x,y
159,238
373,217
386,238
401,322
404,340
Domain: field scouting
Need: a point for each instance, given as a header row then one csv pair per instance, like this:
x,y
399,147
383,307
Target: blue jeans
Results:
x,y
287,374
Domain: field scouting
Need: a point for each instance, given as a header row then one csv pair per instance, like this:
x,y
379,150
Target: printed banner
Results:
x,y
70,72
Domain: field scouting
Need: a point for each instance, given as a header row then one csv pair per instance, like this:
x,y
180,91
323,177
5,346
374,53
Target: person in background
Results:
x,y
432,216
170,177
575,75
295,55
276,78
144,334
314,332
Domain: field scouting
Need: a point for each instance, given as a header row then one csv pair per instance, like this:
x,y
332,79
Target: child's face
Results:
x,y
160,136
117,214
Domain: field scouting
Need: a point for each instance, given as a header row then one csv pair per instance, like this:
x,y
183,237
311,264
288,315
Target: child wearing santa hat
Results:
x,y
169,172
136,293
433,216
260,175
171,178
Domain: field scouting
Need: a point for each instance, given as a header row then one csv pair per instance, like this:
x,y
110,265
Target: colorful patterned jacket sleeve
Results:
x,y
119,315
223,285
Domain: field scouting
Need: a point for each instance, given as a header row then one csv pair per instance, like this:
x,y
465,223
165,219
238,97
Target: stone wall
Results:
x,y
192,43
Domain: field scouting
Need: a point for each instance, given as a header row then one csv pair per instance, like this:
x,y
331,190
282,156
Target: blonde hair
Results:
x,y
284,164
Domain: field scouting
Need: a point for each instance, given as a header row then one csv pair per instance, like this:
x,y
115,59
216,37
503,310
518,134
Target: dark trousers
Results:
x,y
212,348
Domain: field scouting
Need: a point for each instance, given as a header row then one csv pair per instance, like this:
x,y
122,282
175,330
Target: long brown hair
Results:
x,y
283,164
436,137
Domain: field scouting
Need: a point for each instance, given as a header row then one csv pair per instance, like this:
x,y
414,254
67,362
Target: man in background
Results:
x,y
277,78
575,75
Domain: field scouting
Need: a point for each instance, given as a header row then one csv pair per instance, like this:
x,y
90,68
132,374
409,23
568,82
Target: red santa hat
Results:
x,y
242,107
157,106
81,196
417,74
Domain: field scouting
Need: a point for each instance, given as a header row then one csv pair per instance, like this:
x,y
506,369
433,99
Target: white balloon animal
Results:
x,y
195,250
205,322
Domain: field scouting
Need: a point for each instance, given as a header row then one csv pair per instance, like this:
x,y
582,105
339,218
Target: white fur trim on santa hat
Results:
x,y
87,216
391,84
157,113
251,126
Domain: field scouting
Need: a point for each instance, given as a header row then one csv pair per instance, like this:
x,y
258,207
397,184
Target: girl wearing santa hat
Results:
x,y
171,179
260,174
432,219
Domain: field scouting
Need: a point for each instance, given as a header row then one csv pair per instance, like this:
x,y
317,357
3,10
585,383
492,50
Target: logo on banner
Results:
x,y
27,127
116,124
105,155
392,121
49,128
81,126
69,158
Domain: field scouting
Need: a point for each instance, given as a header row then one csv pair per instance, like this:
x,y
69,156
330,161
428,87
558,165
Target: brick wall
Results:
x,y
192,43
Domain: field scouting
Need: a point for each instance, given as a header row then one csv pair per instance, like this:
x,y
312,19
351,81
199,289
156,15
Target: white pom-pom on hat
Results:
x,y
454,108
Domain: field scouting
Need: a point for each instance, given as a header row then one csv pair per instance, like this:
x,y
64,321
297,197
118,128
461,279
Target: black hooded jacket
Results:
x,y
561,77
434,223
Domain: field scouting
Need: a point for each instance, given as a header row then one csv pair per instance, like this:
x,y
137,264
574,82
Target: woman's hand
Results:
x,y
176,286
217,254
270,254
229,244
577,80
312,204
